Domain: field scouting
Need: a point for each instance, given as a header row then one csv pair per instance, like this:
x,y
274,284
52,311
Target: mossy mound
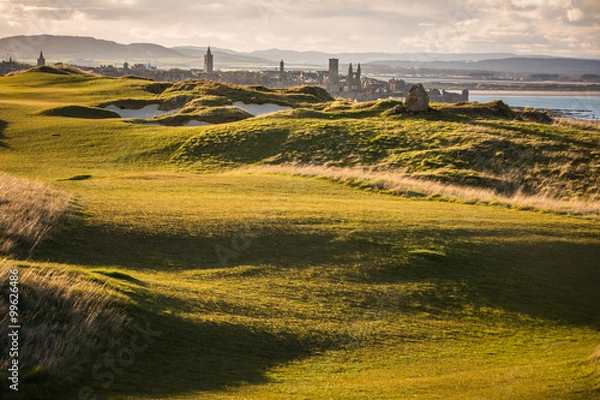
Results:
x,y
129,104
224,93
211,115
80,112
63,69
206,101
314,91
493,109
541,116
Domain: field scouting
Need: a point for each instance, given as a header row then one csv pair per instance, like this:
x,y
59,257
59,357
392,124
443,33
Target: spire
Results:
x,y
41,61
208,61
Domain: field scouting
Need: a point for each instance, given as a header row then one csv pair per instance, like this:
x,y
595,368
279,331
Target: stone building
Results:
x,y
334,75
208,61
281,70
41,61
353,80
444,96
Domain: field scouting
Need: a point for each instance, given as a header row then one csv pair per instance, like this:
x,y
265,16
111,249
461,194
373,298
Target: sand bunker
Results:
x,y
260,109
149,111
195,122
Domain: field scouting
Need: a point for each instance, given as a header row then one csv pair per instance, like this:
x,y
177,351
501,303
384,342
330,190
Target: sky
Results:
x,y
549,27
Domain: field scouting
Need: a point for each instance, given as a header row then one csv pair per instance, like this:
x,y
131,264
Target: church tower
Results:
x,y
208,61
41,61
350,78
281,70
334,74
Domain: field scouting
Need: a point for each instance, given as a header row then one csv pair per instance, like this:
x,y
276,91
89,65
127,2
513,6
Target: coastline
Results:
x,y
534,92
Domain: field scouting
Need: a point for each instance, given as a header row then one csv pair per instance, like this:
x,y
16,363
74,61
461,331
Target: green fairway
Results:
x,y
248,284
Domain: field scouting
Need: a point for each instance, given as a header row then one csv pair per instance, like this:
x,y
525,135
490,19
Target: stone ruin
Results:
x,y
417,100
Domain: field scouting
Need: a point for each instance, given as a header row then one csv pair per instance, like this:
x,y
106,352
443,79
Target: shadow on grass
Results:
x,y
180,357
3,125
101,246
558,142
547,279
547,276
536,274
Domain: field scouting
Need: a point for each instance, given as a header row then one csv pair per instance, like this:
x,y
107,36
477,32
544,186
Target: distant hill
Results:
x,y
90,51
321,58
544,65
225,56
75,48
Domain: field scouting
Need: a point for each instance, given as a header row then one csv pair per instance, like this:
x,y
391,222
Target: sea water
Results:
x,y
586,107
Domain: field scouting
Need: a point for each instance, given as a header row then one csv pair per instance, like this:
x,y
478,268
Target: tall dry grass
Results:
x,y
28,212
65,318
399,184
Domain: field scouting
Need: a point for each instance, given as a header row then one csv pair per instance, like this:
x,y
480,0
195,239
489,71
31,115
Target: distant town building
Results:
x,y
334,75
11,66
208,61
444,96
353,82
41,61
353,86
281,70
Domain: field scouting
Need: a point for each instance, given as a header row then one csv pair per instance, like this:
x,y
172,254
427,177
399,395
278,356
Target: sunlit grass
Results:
x,y
28,212
382,295
401,184
262,285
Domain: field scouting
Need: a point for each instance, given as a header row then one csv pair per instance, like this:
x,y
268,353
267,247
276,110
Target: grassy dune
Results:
x,y
401,185
66,318
249,284
28,212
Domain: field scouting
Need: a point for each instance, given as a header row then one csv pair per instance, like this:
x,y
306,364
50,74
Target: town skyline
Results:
x,y
561,28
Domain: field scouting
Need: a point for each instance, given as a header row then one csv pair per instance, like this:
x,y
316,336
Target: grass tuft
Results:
x,y
67,319
28,212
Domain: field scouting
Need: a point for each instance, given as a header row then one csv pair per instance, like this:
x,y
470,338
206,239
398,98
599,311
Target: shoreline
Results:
x,y
590,93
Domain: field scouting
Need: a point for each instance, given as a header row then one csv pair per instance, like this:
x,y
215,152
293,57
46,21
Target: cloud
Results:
x,y
559,27
575,14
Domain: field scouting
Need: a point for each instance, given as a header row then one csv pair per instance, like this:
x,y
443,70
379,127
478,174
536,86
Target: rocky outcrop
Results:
x,y
417,99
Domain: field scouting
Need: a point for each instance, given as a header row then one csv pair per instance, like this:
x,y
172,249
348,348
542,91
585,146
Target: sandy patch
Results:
x,y
195,122
149,111
260,109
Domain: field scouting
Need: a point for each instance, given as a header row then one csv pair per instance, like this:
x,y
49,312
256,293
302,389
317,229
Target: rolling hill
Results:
x,y
272,257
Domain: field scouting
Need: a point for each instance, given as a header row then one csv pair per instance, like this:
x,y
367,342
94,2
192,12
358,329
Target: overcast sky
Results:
x,y
552,27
